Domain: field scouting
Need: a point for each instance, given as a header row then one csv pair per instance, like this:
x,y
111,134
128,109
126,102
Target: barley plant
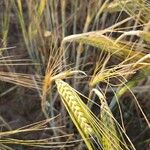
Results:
x,y
74,74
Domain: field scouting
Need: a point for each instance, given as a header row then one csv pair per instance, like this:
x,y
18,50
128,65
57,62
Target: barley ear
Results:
x,y
76,109
108,125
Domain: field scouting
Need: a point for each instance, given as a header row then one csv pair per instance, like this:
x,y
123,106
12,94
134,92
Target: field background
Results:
x,y
90,45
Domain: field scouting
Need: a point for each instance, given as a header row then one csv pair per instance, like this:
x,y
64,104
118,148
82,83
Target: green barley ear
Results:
x,y
97,39
131,7
115,72
76,109
108,123
115,6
